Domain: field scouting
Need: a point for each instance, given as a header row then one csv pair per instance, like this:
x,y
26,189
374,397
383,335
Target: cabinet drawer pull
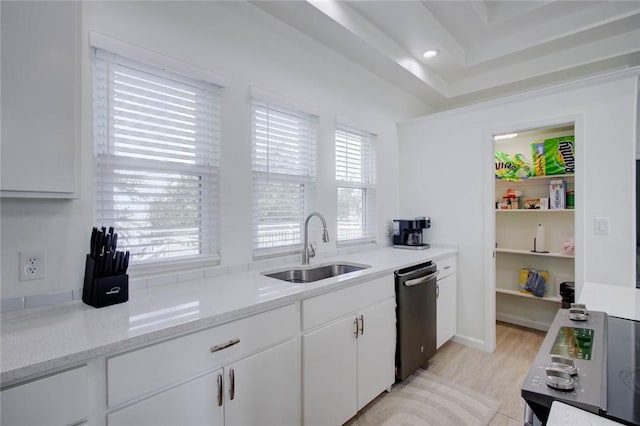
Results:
x,y
232,386
220,393
222,346
361,325
357,329
437,291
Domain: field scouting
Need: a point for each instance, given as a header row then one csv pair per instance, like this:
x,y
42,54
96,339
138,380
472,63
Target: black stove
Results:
x,y
623,370
592,364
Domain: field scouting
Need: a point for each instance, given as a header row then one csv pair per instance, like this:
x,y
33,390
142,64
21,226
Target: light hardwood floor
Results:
x,y
499,374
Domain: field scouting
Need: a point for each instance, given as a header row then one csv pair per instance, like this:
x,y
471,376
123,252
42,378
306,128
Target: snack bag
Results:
x,y
533,281
511,168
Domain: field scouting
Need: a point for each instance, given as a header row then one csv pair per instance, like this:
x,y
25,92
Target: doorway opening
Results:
x,y
534,223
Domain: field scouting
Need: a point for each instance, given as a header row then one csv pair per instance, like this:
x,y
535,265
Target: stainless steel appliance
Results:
x,y
595,367
408,233
416,317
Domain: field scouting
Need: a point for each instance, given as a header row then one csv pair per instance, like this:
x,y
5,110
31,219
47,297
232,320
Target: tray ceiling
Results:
x,y
487,48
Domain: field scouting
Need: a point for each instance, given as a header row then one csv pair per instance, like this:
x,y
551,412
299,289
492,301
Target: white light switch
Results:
x,y
601,225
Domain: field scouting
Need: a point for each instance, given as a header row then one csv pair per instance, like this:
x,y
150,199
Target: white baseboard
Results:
x,y
469,341
512,319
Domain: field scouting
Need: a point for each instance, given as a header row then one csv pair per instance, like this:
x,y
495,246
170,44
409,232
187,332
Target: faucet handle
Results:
x,y
312,250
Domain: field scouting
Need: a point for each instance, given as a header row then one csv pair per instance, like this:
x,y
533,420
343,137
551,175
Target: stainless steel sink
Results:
x,y
308,275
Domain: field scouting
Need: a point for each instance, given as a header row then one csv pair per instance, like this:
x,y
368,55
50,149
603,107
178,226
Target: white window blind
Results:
x,y
157,139
283,144
355,179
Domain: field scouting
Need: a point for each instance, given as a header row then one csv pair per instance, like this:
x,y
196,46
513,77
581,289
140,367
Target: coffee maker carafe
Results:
x,y
408,233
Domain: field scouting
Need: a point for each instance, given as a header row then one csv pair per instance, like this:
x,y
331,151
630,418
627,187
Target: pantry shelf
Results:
x,y
536,178
530,253
554,299
534,211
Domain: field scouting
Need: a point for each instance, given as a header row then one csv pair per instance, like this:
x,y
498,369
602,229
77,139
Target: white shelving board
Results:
x,y
531,253
554,299
534,211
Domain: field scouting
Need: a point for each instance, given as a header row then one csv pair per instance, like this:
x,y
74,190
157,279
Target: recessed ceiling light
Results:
x,y
431,53
506,136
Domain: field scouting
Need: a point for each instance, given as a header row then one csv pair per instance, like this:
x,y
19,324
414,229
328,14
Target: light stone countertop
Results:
x,y
622,302
36,341
567,415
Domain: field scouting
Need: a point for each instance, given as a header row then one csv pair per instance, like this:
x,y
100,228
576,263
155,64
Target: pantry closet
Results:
x,y
534,233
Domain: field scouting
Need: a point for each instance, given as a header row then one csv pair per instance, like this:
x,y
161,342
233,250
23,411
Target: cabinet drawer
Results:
x,y
320,309
136,373
60,399
446,267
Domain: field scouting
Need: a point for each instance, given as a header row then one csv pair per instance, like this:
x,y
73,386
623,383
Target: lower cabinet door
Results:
x,y
376,350
330,374
193,403
446,312
60,399
265,389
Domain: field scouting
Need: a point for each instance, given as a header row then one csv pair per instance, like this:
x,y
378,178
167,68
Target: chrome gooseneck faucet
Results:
x,y
310,252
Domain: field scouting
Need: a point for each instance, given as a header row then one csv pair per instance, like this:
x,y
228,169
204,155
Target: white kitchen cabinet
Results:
x,y
40,99
349,360
446,314
265,389
261,389
330,373
241,373
446,300
59,399
376,350
193,403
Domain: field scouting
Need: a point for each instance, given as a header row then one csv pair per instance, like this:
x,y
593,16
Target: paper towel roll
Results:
x,y
539,244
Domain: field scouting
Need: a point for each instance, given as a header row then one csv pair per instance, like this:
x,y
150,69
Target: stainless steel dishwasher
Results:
x,y
416,317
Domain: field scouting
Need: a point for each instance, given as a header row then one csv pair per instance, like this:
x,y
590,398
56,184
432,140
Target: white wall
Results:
x,y
446,173
247,47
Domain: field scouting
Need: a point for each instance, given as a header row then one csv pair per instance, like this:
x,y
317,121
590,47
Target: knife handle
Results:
x,y
92,246
126,262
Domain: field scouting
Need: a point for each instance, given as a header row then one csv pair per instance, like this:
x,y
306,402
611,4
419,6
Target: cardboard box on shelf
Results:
x,y
536,204
557,194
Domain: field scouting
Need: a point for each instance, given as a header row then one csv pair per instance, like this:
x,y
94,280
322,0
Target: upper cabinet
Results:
x,y
40,99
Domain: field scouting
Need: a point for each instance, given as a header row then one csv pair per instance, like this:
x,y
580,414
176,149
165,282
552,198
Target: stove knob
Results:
x,y
565,363
578,312
558,378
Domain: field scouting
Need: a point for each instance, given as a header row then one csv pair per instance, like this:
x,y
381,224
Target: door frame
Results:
x,y
489,219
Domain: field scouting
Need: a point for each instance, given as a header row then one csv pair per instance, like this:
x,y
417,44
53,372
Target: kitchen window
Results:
x,y
355,180
157,155
284,175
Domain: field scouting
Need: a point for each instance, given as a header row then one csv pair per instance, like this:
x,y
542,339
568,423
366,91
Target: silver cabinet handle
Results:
x,y
220,393
361,325
232,386
357,329
225,345
437,291
420,280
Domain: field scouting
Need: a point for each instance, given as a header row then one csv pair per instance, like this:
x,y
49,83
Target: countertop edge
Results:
x,y
30,372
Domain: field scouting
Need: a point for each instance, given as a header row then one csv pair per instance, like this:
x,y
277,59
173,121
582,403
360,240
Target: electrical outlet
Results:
x,y
32,265
388,230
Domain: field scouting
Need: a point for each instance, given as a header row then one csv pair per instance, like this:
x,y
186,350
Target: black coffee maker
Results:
x,y
567,292
408,233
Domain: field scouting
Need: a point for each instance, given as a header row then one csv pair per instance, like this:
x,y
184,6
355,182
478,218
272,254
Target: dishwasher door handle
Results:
x,y
420,280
